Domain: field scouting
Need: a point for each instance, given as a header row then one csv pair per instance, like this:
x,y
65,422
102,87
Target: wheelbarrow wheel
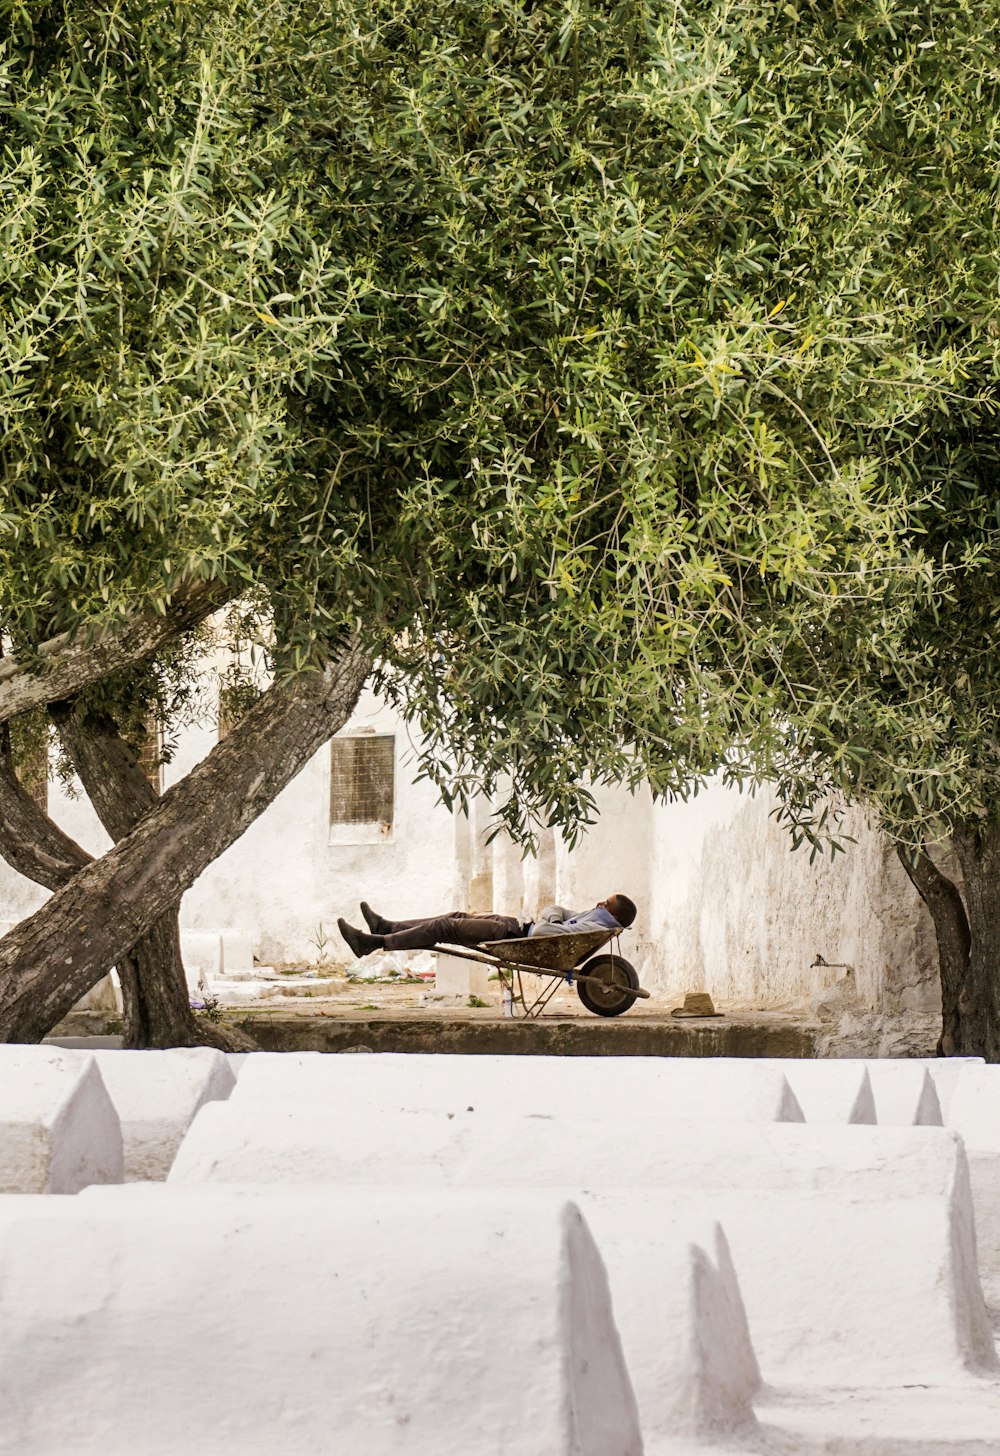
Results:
x,y
614,994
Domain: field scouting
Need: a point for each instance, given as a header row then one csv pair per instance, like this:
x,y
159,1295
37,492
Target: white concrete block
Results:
x,y
237,952
156,1094
984,1175
309,1140
105,998
378,1337
974,1110
455,977
660,1088
974,1113
945,1073
854,1246
836,1291
852,1293
682,1321
201,952
58,1128
243,991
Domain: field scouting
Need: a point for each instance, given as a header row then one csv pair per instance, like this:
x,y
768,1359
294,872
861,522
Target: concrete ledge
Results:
x,y
628,1036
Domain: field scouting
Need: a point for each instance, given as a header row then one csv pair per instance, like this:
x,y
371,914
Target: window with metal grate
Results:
x,y
363,783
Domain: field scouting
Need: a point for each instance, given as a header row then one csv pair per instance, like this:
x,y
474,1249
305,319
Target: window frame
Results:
x,y
362,831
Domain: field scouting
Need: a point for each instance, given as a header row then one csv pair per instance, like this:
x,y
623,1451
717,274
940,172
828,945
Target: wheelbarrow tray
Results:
x,y
559,952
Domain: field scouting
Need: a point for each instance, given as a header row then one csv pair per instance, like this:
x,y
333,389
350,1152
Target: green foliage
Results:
x,y
26,741
627,377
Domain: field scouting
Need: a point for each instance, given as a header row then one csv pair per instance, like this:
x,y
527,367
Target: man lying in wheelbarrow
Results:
x,y
617,912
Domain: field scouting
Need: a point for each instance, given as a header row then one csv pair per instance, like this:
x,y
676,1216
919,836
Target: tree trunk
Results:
x,y
155,1014
978,849
157,1007
49,960
951,927
155,996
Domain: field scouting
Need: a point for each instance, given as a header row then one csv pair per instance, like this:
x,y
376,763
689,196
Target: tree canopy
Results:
x,y
564,350
622,379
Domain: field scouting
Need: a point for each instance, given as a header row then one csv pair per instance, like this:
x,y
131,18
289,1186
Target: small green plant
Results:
x,y
211,1010
476,1002
369,1007
321,940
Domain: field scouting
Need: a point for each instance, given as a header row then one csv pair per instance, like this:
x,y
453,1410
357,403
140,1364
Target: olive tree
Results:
x,y
546,358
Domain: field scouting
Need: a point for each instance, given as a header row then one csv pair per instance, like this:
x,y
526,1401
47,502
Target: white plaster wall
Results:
x,y
612,856
736,912
724,904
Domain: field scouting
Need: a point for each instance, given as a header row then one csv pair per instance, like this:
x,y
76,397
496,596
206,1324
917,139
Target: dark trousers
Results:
x,y
455,929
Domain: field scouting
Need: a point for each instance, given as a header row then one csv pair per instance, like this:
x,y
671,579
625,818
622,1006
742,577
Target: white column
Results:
x,y
510,895
481,878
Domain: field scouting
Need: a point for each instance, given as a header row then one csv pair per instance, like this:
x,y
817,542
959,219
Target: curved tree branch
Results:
x,y
29,840
65,665
156,1003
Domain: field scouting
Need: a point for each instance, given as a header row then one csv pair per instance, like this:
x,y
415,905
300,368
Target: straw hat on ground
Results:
x,y
696,1003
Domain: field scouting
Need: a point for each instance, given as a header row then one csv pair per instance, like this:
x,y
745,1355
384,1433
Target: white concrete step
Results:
x,y
854,1246
660,1088
345,1324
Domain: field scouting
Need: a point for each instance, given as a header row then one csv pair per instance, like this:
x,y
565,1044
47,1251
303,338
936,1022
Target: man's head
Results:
x,y
621,908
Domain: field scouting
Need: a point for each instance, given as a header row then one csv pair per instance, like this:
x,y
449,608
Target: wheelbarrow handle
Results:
x,y
596,981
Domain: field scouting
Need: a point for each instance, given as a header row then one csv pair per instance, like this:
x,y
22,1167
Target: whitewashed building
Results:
x,y
724,904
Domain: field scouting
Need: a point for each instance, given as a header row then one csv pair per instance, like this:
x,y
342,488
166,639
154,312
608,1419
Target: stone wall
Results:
x,y
735,911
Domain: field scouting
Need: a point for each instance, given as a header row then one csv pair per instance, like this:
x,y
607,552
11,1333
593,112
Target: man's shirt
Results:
x,y
555,920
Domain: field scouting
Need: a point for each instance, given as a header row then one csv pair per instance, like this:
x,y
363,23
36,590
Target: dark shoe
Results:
x,y
360,943
375,922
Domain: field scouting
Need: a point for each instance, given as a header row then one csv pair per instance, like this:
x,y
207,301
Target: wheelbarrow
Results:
x,y
606,984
